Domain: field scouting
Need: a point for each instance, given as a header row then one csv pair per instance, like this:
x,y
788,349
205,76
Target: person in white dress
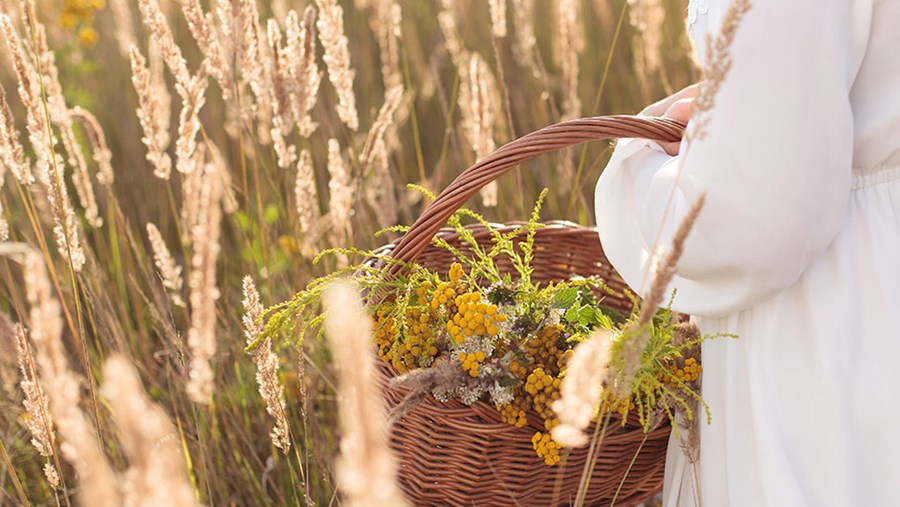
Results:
x,y
797,252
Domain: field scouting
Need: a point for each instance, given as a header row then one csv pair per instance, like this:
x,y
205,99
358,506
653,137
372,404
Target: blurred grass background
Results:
x,y
630,58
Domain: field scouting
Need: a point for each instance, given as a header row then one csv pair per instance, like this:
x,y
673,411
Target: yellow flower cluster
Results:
x,y
544,390
445,292
75,13
384,333
545,350
690,372
546,448
512,414
473,317
417,347
442,295
471,362
622,406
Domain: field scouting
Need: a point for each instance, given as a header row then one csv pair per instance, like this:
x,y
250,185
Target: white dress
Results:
x,y
797,252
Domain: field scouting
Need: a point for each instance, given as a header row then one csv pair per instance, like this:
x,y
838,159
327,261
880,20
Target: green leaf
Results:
x,y
586,316
572,314
565,298
604,320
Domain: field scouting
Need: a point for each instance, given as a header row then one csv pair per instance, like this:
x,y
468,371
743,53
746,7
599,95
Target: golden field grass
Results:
x,y
262,175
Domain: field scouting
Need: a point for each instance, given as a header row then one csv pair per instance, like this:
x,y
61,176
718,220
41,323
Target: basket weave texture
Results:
x,y
458,455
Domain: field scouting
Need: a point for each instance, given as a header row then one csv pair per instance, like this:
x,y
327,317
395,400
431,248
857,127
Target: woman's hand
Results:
x,y
677,107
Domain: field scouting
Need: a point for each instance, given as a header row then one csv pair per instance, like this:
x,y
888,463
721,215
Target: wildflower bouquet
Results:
x,y
486,330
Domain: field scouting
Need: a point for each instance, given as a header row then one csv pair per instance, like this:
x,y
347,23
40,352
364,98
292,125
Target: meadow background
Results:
x,y
457,83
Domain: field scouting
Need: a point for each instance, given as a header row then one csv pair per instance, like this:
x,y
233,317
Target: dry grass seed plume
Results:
x,y
383,121
366,468
204,292
162,35
570,46
647,17
121,11
194,98
43,438
65,228
12,156
478,97
301,69
337,60
80,448
157,474
169,271
525,42
97,140
386,25
149,113
266,361
54,105
282,123
306,200
662,277
581,389
215,60
498,18
341,193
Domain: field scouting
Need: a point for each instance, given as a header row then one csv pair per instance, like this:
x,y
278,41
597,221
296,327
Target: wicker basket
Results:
x,y
452,454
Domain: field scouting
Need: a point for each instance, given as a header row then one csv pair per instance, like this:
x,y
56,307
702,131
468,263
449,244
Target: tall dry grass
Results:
x,y
196,142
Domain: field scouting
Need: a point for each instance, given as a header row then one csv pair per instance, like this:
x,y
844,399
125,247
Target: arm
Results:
x,y
775,165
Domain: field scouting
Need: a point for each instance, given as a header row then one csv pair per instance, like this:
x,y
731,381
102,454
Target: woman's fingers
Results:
x,y
659,108
680,110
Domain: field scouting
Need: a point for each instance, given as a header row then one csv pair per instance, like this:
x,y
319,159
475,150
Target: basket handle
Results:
x,y
510,155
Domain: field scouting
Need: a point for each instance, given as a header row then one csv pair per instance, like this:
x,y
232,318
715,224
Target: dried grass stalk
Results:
x,y
203,290
305,195
447,21
157,474
570,46
4,224
65,229
80,448
37,406
270,389
340,204
498,18
303,75
478,97
581,389
282,121
366,468
189,123
12,156
383,122
161,34
386,25
95,136
255,62
380,193
151,115
337,60
647,17
169,271
81,177
662,277
524,41
121,11
214,60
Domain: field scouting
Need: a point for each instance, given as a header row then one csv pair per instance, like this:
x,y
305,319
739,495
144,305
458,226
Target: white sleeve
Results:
x,y
775,164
